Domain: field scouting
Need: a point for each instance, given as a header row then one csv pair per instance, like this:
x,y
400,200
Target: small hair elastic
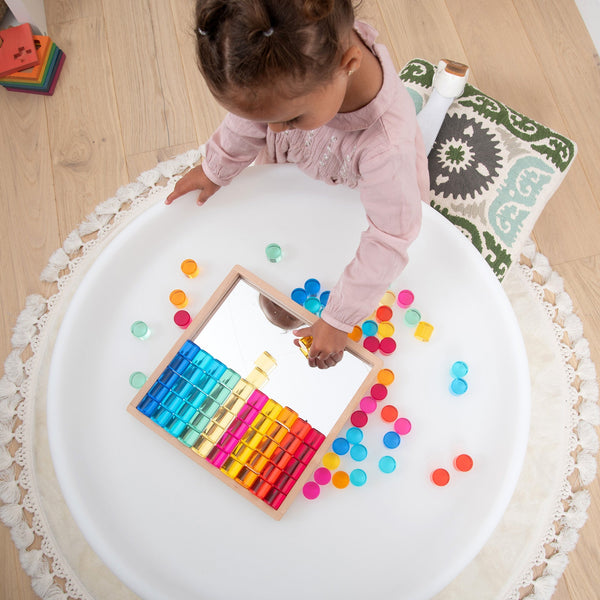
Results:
x,y
268,32
202,32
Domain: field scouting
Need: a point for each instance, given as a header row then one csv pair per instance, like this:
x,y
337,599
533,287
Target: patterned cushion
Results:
x,y
492,170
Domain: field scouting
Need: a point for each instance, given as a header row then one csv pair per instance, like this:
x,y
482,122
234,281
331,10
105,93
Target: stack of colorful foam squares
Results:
x,y
29,63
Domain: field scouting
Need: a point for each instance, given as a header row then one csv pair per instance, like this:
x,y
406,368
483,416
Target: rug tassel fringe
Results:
x,y
564,532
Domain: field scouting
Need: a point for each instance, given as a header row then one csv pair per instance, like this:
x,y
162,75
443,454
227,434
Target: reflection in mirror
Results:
x,y
248,323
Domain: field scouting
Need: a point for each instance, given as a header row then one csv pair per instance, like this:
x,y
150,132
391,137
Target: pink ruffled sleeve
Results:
x,y
391,195
232,147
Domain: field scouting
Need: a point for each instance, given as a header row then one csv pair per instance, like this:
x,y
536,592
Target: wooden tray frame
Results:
x,y
218,297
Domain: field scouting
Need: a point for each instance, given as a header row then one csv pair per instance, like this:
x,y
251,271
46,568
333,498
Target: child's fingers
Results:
x,y
180,189
303,332
203,197
172,196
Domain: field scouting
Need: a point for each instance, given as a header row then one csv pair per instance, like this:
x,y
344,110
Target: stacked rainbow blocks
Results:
x,y
227,420
29,63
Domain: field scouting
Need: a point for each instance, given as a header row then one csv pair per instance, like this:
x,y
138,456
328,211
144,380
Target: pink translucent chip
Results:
x,y
379,391
387,346
358,418
402,426
405,298
311,490
182,319
368,405
322,476
371,343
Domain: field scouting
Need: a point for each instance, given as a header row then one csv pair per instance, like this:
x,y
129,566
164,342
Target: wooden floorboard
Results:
x,y
207,114
154,107
130,95
28,218
421,29
85,132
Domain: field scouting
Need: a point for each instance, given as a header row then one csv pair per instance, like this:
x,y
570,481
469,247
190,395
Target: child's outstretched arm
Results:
x,y
392,190
231,148
194,179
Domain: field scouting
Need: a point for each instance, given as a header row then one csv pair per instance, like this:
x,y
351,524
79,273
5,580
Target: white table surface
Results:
x,y
168,528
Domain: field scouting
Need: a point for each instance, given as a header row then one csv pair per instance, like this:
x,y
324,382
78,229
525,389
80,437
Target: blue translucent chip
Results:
x,y
391,439
387,464
340,446
358,452
459,369
354,435
312,287
458,386
299,295
358,477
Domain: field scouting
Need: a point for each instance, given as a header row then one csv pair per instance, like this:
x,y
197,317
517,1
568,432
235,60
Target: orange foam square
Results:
x,y
34,74
17,49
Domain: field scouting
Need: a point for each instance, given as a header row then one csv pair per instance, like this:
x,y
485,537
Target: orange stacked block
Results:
x,y
29,63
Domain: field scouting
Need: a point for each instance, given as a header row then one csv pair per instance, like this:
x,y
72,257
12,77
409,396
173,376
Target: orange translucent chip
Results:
x,y
355,334
190,268
389,413
440,477
463,462
287,416
340,479
385,376
178,298
383,313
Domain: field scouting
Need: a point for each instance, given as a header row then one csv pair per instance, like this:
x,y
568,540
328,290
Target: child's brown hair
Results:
x,y
255,44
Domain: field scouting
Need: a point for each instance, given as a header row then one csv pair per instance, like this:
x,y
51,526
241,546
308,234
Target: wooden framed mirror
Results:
x,y
238,397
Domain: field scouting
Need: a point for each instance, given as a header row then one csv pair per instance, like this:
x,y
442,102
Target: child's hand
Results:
x,y
194,179
327,346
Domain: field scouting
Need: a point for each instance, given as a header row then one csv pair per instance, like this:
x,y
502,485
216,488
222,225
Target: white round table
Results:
x,y
168,529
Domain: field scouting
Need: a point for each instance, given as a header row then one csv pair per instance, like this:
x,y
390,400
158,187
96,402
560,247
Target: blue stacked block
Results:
x,y
188,393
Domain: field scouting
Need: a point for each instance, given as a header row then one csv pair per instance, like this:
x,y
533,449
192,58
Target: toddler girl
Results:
x,y
306,84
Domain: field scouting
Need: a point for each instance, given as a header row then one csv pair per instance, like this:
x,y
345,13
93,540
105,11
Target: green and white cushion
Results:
x,y
492,170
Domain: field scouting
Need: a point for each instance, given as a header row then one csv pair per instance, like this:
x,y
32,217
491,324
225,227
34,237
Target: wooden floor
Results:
x,y
130,95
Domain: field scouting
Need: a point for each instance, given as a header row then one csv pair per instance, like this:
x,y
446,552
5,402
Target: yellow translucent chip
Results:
x,y
242,453
252,438
231,467
203,446
271,409
388,298
423,331
265,362
257,377
385,329
331,461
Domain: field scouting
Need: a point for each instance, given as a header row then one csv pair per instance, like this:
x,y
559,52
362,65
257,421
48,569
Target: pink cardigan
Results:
x,y
377,148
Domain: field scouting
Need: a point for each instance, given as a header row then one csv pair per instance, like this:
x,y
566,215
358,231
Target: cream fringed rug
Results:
x,y
526,554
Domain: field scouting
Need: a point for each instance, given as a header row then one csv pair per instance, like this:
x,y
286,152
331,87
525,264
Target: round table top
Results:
x,y
168,529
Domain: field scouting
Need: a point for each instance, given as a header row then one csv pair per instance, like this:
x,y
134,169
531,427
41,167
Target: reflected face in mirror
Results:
x,y
278,315
247,323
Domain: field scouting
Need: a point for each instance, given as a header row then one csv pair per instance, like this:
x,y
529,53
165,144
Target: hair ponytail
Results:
x,y
209,14
315,10
255,44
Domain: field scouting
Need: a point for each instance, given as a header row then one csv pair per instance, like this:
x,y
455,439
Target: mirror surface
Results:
x,y
248,323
